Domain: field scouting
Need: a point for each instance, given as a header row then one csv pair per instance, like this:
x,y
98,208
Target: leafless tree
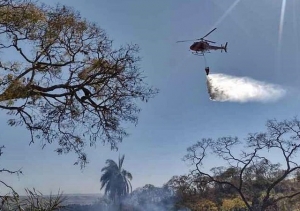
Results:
x,y
248,171
61,78
34,201
12,194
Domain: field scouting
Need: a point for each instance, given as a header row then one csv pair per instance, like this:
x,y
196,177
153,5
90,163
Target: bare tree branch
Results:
x,y
250,174
13,193
67,84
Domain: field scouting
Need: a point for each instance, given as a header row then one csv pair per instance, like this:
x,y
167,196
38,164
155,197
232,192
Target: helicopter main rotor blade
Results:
x,y
185,41
209,41
209,32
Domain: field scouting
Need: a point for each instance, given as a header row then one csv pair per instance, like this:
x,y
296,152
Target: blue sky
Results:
x,y
182,112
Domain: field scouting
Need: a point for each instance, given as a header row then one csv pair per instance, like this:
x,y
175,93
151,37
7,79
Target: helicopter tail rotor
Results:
x,y
225,47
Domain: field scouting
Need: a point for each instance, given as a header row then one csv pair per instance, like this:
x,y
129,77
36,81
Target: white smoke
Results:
x,y
223,88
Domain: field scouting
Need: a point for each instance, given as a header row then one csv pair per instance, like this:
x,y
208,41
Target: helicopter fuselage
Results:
x,y
203,46
199,46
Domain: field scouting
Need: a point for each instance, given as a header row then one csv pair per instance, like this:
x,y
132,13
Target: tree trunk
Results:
x,y
258,207
120,205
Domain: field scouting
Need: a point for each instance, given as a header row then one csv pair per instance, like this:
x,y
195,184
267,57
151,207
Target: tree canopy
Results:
x,y
61,78
249,172
115,180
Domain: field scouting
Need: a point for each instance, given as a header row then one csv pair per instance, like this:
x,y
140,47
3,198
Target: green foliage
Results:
x,y
233,204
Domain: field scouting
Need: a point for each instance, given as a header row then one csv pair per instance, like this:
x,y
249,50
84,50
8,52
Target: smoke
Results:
x,y
223,88
151,198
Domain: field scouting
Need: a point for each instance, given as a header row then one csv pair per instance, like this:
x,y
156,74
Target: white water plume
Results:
x,y
223,88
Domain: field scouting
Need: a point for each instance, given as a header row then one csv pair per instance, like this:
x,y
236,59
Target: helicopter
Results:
x,y
203,45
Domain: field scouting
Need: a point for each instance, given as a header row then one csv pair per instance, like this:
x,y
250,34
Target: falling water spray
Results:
x,y
224,88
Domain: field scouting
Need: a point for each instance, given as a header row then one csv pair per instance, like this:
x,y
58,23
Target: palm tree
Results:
x,y
115,180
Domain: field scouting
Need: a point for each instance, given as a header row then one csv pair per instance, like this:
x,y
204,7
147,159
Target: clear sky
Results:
x,y
182,112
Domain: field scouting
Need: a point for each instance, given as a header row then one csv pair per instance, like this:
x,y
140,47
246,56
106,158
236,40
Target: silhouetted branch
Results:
x,y
247,170
70,86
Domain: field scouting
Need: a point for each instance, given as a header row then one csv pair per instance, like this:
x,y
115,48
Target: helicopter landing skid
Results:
x,y
199,54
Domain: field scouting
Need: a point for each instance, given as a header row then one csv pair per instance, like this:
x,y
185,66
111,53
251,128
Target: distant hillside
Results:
x,y
82,199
